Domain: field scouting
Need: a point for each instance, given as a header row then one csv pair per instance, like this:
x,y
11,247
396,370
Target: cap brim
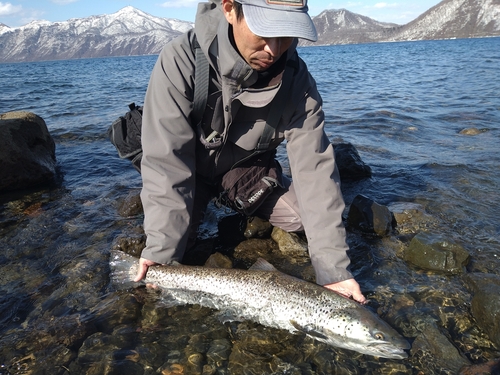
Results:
x,y
272,23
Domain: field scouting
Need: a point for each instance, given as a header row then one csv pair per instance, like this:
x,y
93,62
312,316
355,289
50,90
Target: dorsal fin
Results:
x,y
262,265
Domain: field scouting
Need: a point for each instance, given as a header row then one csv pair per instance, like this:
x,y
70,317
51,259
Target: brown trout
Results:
x,y
265,295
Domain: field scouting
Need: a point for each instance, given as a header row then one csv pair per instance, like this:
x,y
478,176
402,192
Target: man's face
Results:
x,y
260,53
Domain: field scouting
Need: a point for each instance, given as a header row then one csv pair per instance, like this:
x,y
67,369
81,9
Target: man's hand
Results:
x,y
144,265
348,288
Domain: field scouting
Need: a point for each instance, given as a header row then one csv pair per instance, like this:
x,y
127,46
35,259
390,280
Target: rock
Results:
x,y
485,304
40,362
255,352
172,369
370,217
96,348
489,368
472,131
124,366
258,228
27,151
219,351
349,163
248,251
431,342
131,245
194,363
290,244
131,205
433,252
218,260
410,217
116,309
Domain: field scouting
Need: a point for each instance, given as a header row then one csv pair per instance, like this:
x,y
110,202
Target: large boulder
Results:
x,y
435,252
27,151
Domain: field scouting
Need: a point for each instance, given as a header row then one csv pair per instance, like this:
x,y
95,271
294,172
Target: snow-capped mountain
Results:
x,y
344,27
454,19
133,32
448,19
126,32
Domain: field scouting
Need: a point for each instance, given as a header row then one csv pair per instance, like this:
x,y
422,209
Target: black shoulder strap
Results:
x,y
201,82
277,107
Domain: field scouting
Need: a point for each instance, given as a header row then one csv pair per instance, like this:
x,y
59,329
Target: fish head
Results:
x,y
363,331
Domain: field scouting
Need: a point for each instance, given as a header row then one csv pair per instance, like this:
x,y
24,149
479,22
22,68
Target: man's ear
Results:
x,y
228,10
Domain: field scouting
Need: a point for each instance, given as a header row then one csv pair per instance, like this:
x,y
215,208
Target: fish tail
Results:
x,y
123,269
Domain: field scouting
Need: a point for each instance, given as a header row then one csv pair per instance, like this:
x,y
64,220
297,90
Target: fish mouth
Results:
x,y
390,351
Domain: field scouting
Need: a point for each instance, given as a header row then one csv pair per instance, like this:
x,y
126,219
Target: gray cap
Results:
x,y
279,18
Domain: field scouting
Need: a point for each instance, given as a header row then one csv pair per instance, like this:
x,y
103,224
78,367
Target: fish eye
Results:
x,y
379,336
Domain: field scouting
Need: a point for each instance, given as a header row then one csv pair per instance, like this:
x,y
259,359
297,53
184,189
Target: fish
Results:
x,y
267,296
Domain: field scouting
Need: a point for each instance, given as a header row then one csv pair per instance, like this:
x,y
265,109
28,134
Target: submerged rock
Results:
x,y
433,252
256,352
432,342
489,368
486,303
116,309
410,217
27,151
370,217
472,131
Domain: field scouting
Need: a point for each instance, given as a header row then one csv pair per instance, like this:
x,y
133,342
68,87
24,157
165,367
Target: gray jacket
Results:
x,y
173,156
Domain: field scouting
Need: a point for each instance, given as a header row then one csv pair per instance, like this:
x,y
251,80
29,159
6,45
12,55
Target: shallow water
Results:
x,y
402,105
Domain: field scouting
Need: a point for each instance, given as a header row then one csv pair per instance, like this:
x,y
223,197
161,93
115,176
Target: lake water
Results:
x,y
403,106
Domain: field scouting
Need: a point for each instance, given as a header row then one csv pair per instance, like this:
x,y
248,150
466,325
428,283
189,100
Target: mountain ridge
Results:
x,y
447,20
131,31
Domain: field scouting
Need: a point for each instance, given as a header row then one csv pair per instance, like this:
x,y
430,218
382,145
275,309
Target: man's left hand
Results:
x,y
142,270
348,288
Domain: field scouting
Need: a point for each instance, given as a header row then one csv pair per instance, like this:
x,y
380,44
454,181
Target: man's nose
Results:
x,y
273,46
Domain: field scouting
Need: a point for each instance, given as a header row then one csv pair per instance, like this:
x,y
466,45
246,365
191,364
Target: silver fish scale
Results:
x,y
270,298
274,299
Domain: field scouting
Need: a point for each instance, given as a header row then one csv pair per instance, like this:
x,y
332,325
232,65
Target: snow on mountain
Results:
x,y
448,19
133,32
454,19
344,27
4,28
126,32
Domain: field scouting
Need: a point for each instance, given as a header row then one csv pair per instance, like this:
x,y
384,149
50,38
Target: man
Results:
x,y
248,44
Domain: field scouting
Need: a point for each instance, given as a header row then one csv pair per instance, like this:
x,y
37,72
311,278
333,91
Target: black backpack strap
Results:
x,y
201,82
277,107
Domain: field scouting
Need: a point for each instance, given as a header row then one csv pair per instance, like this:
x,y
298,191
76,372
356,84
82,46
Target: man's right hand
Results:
x,y
348,288
144,265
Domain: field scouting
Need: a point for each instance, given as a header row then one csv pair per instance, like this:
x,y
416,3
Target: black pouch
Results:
x,y
245,187
125,134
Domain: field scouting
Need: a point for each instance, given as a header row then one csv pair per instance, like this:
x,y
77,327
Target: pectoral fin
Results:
x,y
308,330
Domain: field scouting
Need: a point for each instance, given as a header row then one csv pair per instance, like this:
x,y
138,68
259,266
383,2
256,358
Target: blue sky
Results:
x,y
15,13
